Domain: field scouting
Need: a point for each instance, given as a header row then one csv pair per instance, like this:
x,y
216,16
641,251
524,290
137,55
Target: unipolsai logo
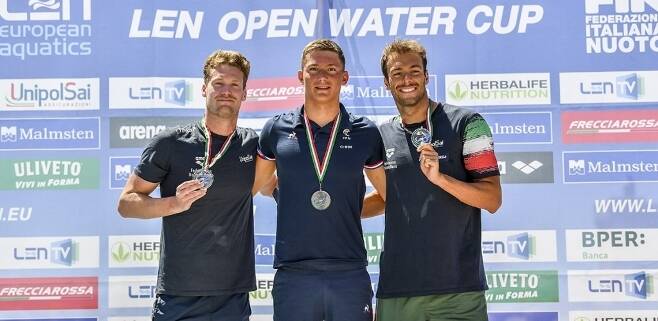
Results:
x,y
8,134
64,252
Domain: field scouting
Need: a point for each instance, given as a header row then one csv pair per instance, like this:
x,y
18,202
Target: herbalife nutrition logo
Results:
x,y
498,89
458,90
134,251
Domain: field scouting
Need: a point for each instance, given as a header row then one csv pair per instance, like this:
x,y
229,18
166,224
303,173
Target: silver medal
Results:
x,y
320,200
204,176
420,136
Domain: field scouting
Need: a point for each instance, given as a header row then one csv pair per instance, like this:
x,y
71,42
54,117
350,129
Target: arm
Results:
x,y
135,201
375,202
483,193
265,181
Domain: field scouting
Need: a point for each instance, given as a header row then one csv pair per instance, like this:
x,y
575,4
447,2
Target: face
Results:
x,y
323,75
224,92
406,79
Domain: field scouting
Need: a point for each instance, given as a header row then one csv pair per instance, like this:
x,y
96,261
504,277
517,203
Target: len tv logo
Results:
x,y
174,92
629,86
63,252
633,285
518,246
8,134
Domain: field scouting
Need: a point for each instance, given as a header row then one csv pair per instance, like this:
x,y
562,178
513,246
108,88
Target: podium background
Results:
x,y
570,97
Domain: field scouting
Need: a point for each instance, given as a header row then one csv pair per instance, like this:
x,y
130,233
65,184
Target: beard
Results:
x,y
409,101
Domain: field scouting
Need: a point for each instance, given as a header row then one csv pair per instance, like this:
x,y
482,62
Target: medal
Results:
x,y
204,174
420,135
320,198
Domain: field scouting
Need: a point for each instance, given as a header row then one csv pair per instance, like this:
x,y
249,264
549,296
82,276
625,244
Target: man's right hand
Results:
x,y
186,194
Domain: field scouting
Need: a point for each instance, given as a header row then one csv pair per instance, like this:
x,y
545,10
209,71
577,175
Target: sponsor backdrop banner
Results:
x,y
568,87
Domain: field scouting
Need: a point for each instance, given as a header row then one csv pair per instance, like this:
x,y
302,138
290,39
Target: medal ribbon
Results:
x,y
207,162
321,166
428,121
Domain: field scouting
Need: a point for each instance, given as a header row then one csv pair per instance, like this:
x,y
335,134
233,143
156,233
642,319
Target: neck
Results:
x,y
414,114
321,114
220,126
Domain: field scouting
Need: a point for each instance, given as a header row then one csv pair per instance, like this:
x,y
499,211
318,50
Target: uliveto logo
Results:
x,y
610,126
522,286
50,94
610,166
49,133
517,246
608,87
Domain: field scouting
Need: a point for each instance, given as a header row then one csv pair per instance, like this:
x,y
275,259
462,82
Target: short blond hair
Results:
x,y
226,57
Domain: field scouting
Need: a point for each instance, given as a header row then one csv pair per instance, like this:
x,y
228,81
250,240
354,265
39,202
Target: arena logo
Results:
x,y
50,94
608,87
525,167
134,291
134,251
48,252
45,28
613,125
527,246
262,296
137,132
520,127
49,133
611,285
49,174
155,92
612,245
621,26
620,315
498,89
121,167
264,249
522,286
269,95
64,293
610,166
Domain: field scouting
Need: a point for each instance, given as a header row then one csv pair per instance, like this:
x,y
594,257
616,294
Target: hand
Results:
x,y
429,163
186,194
